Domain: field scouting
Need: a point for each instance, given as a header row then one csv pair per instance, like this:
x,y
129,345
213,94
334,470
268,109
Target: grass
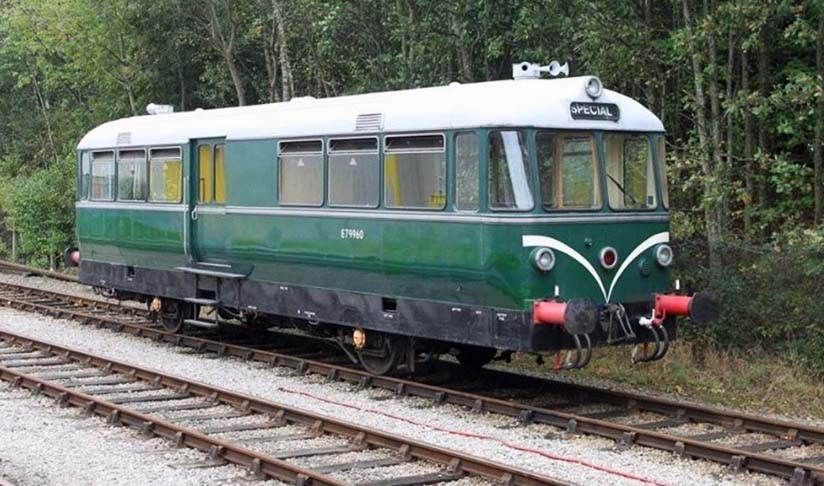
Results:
x,y
754,380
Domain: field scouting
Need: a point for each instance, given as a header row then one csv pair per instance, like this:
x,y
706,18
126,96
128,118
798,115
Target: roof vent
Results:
x,y
155,109
369,122
124,138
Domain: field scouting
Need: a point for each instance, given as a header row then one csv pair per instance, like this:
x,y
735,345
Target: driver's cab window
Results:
x,y
630,175
568,170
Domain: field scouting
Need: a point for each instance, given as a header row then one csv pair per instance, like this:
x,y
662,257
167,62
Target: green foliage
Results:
x,y
771,295
42,210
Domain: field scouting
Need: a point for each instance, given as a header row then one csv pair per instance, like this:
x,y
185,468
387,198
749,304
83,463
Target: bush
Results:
x,y
42,207
770,295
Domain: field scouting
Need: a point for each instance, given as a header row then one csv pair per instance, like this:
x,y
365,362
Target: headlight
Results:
x,y
593,87
608,257
543,259
664,255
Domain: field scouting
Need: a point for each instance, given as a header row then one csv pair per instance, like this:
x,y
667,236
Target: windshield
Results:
x,y
630,175
568,170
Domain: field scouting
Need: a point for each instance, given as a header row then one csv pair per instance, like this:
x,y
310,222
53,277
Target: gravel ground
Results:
x,y
392,414
41,444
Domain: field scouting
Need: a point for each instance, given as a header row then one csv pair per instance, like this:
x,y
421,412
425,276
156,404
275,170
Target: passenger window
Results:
x,y
568,171
300,180
354,172
205,179
102,176
220,174
660,144
630,176
467,190
131,175
415,172
165,175
508,174
85,175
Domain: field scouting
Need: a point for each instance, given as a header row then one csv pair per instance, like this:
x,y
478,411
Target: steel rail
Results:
x,y
796,471
361,436
20,268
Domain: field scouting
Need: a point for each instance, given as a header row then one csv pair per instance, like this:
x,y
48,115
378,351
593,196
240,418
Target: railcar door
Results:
x,y
207,201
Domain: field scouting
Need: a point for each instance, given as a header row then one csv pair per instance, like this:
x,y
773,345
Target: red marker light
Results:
x,y
608,257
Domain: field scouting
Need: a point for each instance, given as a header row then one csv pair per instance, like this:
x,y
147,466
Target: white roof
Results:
x,y
522,103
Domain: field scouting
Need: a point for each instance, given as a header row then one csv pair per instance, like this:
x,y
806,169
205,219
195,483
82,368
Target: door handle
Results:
x,y
194,213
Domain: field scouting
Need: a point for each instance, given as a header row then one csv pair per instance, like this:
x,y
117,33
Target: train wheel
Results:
x,y
475,357
382,357
173,313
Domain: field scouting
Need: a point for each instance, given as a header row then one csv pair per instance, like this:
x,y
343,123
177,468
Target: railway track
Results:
x,y
765,445
219,422
27,270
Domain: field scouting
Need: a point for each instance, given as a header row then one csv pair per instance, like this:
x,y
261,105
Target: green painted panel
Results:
x,y
251,163
150,239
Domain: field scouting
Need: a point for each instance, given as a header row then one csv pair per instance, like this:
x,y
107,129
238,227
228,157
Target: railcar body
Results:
x,y
523,215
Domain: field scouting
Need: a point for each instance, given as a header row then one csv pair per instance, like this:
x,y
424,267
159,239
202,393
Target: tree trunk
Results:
x,y
748,147
270,59
285,67
227,47
763,141
715,123
819,119
464,54
728,166
708,163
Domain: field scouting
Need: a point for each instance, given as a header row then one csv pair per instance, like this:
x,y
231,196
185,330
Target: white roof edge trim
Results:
x,y
538,103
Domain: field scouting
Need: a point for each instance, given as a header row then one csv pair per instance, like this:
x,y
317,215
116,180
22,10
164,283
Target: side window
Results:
x,y
467,154
220,174
508,185
415,172
354,172
102,176
85,175
300,169
165,176
204,171
131,175
630,176
661,145
545,151
568,171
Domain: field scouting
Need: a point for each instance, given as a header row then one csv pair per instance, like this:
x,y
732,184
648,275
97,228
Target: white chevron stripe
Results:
x,y
646,244
538,240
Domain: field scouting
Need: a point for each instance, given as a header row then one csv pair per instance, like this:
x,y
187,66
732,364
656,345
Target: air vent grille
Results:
x,y
124,138
369,122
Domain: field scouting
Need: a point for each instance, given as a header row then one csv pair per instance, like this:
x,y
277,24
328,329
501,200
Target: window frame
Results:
x,y
113,152
145,167
599,175
443,150
650,149
532,167
182,168
279,170
479,170
328,172
660,169
222,146
84,156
